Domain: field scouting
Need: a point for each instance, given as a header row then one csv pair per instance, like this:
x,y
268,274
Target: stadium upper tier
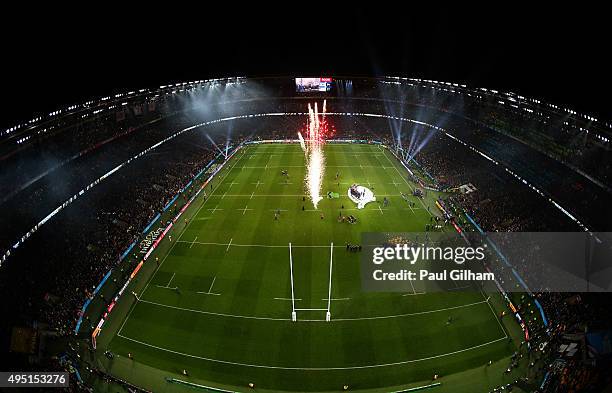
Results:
x,y
562,133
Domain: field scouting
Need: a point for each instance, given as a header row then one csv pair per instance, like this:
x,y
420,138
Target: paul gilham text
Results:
x,y
421,275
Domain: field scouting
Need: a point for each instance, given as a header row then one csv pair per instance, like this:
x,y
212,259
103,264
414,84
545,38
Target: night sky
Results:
x,y
49,62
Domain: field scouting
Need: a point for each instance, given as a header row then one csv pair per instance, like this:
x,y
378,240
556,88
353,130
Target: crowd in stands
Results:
x,y
124,205
571,317
500,202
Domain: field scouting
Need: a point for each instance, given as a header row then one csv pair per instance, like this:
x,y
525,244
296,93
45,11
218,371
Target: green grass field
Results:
x,y
229,323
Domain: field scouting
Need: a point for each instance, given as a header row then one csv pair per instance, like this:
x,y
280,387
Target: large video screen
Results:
x,y
305,85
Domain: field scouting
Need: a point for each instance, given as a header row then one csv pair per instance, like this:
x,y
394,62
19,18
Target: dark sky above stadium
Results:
x,y
50,62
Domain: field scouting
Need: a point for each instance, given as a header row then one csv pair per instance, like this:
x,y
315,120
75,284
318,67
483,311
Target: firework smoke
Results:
x,y
312,145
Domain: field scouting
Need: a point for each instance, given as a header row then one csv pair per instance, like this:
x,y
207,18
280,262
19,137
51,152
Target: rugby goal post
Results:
x,y
328,309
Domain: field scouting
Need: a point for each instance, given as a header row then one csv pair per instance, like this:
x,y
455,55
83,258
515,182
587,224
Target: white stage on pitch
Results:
x,y
360,195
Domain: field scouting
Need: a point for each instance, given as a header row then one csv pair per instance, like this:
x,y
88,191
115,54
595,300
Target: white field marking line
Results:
x,y
165,287
184,230
381,212
331,263
232,183
138,298
171,278
216,314
259,245
196,238
414,294
406,181
212,389
338,299
410,206
280,210
291,272
252,195
210,292
286,298
229,244
311,309
128,315
268,163
398,363
494,314
257,184
215,209
410,314
245,209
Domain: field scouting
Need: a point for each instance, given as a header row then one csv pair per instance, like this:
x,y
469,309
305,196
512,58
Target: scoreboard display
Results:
x,y
306,85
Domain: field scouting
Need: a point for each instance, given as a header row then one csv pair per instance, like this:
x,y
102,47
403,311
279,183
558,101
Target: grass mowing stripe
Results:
x,y
399,363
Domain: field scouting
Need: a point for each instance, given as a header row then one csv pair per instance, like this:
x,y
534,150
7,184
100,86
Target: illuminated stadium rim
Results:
x,y
96,105
7,253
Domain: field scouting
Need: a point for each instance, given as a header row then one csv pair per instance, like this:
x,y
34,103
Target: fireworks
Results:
x,y
316,133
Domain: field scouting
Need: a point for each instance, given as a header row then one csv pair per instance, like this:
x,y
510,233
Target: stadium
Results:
x,y
209,236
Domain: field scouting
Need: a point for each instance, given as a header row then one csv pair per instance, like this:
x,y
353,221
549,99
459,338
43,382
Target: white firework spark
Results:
x,y
314,176
302,143
313,148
